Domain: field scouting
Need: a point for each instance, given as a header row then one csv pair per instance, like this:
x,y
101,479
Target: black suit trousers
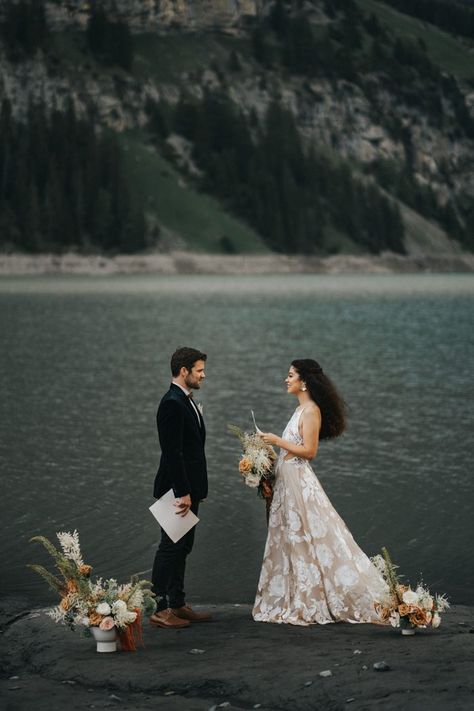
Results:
x,y
169,568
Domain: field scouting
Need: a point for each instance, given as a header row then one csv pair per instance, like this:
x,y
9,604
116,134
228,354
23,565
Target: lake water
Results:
x,y
85,361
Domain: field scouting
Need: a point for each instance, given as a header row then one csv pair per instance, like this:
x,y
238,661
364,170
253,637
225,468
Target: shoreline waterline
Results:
x,y
181,262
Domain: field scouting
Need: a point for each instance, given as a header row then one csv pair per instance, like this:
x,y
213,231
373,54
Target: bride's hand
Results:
x,y
269,438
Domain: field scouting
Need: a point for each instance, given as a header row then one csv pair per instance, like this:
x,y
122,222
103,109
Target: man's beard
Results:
x,y
192,384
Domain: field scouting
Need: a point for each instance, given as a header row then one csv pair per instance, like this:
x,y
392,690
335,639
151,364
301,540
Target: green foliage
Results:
x,y
452,15
265,177
62,185
23,28
110,42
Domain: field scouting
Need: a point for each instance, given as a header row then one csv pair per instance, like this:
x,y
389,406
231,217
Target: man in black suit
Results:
x,y
182,468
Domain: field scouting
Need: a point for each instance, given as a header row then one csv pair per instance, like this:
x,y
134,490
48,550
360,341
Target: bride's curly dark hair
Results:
x,y
325,395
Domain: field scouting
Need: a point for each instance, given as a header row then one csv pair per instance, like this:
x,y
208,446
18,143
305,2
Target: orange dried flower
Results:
x,y
95,618
65,604
72,586
85,570
245,465
418,617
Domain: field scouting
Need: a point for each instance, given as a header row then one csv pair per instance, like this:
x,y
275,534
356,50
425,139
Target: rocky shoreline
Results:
x,y
235,663
197,263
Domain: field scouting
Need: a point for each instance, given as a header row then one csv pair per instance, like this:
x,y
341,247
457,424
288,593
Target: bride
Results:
x,y
313,571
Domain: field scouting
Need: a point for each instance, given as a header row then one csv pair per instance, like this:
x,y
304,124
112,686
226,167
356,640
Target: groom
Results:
x,y
182,468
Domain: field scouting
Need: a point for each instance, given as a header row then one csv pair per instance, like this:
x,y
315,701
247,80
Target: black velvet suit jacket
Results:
x,y
183,462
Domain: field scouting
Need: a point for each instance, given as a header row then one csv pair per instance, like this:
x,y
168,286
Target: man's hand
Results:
x,y
183,504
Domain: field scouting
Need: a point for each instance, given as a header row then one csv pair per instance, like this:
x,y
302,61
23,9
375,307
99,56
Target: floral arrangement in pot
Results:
x,y
103,608
404,607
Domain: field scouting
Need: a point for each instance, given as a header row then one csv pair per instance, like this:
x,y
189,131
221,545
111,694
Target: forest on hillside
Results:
x,y
64,181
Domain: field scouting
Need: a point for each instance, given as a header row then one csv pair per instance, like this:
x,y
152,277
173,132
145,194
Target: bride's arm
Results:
x,y
311,423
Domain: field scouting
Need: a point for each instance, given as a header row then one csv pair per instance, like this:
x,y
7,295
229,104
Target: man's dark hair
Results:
x,y
185,358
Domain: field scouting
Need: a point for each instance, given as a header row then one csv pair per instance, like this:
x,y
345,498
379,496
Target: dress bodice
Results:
x,y
292,434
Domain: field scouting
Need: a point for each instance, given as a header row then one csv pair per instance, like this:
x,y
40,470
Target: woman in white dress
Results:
x,y
313,571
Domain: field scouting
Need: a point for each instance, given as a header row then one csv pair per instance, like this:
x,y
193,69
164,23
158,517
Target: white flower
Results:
x,y
122,615
69,543
118,606
103,608
436,621
394,619
200,408
252,480
85,621
410,597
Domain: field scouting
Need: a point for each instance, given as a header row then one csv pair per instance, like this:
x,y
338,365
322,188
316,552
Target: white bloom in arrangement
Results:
x,y
136,599
85,621
410,597
424,597
70,545
122,615
252,480
200,408
103,608
441,603
57,614
436,621
394,619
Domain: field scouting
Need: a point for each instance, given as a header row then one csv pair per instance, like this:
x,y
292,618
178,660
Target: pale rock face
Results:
x,y
154,15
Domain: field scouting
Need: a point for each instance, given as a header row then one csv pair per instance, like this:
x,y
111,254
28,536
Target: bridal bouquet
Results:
x,y
257,462
103,603
404,607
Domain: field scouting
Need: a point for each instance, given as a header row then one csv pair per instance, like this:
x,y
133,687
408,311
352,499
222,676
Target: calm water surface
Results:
x,y
85,361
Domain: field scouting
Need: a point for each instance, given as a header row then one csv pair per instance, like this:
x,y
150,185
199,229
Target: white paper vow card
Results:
x,y
164,511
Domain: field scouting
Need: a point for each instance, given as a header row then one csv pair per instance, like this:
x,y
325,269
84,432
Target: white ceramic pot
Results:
x,y
106,639
408,631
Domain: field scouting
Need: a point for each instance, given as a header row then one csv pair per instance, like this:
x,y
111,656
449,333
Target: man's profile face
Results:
x,y
195,376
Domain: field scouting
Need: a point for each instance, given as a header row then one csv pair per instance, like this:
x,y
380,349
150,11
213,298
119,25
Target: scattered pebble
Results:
x,y
381,666
197,651
365,667
357,651
307,683
114,697
326,672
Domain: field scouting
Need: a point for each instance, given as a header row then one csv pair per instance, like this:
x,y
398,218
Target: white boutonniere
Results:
x,y
200,408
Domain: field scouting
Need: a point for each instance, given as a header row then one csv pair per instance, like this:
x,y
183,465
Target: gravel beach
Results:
x,y
235,663
196,263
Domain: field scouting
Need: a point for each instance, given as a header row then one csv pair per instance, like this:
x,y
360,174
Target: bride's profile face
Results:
x,y
293,381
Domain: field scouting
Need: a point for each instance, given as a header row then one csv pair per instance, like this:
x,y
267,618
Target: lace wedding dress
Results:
x,y
313,571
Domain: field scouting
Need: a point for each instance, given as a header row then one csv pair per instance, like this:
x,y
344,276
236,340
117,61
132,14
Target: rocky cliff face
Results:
x,y
154,15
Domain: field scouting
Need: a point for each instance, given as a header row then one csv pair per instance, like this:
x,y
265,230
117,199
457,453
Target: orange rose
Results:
x,y
384,613
95,618
72,586
404,609
245,465
418,617
85,570
65,604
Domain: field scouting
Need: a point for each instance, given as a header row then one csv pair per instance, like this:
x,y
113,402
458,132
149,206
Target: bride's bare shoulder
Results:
x,y
312,410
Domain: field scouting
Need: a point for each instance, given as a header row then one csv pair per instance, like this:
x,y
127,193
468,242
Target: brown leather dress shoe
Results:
x,y
166,618
187,613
